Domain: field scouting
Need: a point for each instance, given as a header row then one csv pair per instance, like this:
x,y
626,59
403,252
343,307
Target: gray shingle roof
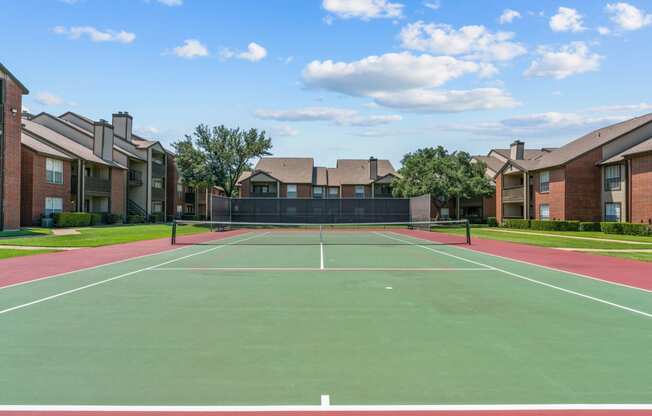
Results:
x,y
357,171
287,169
14,79
41,147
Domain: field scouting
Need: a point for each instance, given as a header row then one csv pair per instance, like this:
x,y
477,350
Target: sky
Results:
x,y
336,79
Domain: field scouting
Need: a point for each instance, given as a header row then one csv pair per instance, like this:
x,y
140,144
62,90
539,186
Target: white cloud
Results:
x,y
571,59
171,3
284,131
363,9
628,17
254,53
49,99
148,130
508,16
192,48
339,116
603,30
435,101
433,5
473,42
566,20
95,35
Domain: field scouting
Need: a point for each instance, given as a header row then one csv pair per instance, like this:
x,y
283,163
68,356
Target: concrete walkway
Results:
x,y
608,240
65,231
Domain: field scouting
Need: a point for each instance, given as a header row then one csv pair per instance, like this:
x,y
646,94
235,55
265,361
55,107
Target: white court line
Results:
x,y
314,269
321,256
330,408
572,292
67,292
325,400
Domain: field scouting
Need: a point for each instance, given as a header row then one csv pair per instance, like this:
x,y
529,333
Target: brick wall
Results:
x,y
499,197
555,197
641,189
348,191
584,188
489,206
12,157
35,187
118,187
172,199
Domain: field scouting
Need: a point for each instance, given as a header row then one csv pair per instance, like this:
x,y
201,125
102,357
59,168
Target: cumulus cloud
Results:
x,y
436,101
339,116
254,53
432,5
171,3
508,16
284,131
628,17
363,9
566,20
473,42
603,30
574,58
191,48
49,99
95,35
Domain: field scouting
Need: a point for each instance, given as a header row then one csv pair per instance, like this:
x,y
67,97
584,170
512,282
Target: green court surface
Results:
x,y
367,318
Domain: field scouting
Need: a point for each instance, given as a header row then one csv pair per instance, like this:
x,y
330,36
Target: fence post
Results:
x,y
174,232
468,232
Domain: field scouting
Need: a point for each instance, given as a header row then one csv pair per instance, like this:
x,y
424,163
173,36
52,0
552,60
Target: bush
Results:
x,y
190,217
113,219
157,217
546,225
590,226
636,229
72,219
492,222
97,218
611,227
135,219
516,223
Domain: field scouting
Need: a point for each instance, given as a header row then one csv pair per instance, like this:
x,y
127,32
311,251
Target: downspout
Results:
x,y
2,154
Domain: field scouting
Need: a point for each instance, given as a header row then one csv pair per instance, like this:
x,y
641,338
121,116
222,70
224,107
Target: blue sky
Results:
x,y
339,78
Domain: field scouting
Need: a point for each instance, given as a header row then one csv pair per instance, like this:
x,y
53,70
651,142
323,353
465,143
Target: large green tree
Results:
x,y
443,175
219,155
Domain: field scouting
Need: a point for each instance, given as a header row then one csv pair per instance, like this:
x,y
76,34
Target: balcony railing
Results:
x,y
263,195
97,185
514,194
158,170
135,178
189,198
158,194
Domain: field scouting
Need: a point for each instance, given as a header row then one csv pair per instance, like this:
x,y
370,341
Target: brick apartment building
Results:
x,y
287,177
11,94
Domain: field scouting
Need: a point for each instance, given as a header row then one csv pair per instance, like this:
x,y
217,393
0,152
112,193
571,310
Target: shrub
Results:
x,y
97,218
157,217
113,219
555,225
636,229
190,217
590,226
135,219
492,222
72,219
611,227
516,223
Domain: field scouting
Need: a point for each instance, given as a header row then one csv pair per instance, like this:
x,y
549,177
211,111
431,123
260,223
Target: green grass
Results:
x,y
6,253
26,232
632,256
189,337
103,236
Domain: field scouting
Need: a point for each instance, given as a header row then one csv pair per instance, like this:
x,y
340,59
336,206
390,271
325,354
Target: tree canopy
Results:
x,y
218,155
443,175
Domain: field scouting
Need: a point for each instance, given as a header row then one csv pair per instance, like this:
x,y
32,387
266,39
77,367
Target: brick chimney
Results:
x,y
122,125
103,140
373,168
517,150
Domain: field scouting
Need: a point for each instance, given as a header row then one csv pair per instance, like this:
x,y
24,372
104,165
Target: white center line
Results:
x,y
321,251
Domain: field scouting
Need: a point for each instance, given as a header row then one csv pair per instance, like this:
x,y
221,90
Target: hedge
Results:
x,y
135,219
113,219
492,222
72,219
97,218
590,226
555,225
516,223
625,228
157,217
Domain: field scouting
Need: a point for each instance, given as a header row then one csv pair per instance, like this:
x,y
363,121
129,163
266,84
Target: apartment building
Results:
x,y
11,94
591,178
283,177
187,201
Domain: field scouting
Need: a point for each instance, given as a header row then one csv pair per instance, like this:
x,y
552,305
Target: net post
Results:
x,y
468,231
173,240
321,234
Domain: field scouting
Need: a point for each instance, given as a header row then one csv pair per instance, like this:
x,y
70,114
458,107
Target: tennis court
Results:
x,y
325,317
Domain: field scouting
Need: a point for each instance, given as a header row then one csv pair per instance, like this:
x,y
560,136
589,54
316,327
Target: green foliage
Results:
x,y
516,223
555,225
443,175
492,222
113,219
611,227
590,226
135,219
72,219
219,155
157,217
97,218
625,228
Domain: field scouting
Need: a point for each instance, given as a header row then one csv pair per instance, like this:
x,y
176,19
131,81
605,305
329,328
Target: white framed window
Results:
x,y
157,183
317,192
54,171
544,181
53,205
179,209
544,211
292,190
157,207
612,211
359,191
333,192
612,178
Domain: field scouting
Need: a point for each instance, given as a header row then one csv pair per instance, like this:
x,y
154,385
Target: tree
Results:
x,y
443,175
218,155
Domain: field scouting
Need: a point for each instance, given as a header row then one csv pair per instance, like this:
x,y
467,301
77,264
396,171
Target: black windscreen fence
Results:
x,y
309,210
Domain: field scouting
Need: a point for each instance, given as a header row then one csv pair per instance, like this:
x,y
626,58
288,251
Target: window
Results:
x,y
179,209
292,190
445,213
261,189
180,188
544,181
359,191
317,192
54,171
157,207
333,192
612,211
157,183
53,205
612,178
190,209
544,211
384,189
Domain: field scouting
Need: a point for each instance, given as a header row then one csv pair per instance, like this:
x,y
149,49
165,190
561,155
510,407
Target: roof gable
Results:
x,y
11,76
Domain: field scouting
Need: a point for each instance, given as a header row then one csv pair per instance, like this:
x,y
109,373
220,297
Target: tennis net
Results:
x,y
252,233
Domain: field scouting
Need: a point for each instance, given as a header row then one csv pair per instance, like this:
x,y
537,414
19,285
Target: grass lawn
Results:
x,y
8,253
27,232
103,236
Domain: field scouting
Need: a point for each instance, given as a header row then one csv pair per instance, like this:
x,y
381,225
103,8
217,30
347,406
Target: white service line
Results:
x,y
321,255
78,289
572,292
330,269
